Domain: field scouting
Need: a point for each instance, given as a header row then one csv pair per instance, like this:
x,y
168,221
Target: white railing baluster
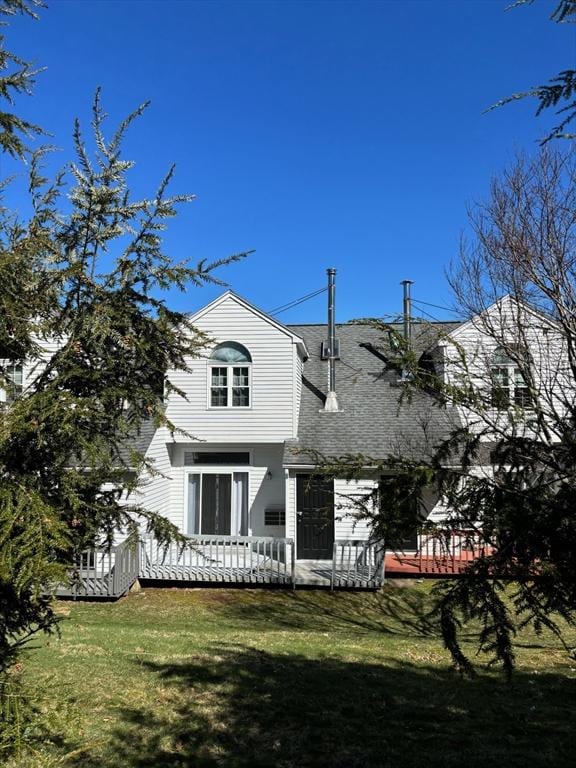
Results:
x,y
355,563
244,559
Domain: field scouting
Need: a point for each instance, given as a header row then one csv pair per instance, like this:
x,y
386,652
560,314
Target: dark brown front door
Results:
x,y
315,517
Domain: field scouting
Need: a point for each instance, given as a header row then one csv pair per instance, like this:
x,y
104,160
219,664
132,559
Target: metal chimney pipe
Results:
x,y
331,329
407,311
331,403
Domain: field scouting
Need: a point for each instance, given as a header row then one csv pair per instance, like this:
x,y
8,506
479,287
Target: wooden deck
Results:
x,y
260,561
437,556
241,560
398,565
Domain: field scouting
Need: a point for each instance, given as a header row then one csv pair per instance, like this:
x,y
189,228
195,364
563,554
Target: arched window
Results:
x,y
508,384
230,376
231,352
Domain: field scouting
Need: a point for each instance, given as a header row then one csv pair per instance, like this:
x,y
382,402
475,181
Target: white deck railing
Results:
x,y
233,559
450,551
257,560
357,563
102,572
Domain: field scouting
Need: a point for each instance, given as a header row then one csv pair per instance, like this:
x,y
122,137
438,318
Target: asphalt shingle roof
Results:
x,y
371,420
140,440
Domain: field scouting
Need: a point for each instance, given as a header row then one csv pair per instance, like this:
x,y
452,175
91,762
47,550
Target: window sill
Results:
x,y
229,408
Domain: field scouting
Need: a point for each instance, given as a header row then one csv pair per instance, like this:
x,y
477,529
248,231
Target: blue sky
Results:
x,y
344,134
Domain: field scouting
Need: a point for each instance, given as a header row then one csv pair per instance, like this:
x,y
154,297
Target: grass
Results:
x,y
238,678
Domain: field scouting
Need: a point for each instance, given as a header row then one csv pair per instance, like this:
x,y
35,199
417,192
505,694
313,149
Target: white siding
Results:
x,y
346,525
298,364
271,417
291,505
156,490
476,342
32,369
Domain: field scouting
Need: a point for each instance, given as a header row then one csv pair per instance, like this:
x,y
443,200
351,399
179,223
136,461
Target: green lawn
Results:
x,y
239,678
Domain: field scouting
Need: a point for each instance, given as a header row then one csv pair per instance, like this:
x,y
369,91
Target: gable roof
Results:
x,y
372,421
255,311
503,305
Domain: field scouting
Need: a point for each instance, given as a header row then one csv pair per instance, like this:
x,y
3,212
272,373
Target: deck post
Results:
x,y
334,554
369,557
117,569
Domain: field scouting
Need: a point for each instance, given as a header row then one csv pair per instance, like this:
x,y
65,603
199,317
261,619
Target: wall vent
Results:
x,y
275,516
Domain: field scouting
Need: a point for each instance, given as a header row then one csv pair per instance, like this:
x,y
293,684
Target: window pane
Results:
x,y
15,374
220,457
501,378
500,397
241,397
240,377
500,387
407,503
500,357
14,383
218,397
522,396
518,378
216,503
219,377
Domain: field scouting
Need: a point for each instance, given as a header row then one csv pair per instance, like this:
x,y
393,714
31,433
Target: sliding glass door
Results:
x,y
217,504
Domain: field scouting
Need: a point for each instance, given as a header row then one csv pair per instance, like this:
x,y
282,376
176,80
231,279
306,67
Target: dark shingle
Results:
x,y
372,421
140,440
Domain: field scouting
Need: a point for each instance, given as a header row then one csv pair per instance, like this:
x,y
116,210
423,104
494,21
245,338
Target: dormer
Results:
x,y
246,385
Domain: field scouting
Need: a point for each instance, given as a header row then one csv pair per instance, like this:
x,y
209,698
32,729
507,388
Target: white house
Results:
x,y
237,475
255,414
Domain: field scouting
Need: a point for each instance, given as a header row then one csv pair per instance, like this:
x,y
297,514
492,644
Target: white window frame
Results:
x,y
229,385
10,366
510,370
220,469
193,448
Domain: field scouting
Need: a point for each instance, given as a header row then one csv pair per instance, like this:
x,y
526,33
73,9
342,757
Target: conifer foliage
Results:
x,y
505,469
17,79
81,286
560,91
